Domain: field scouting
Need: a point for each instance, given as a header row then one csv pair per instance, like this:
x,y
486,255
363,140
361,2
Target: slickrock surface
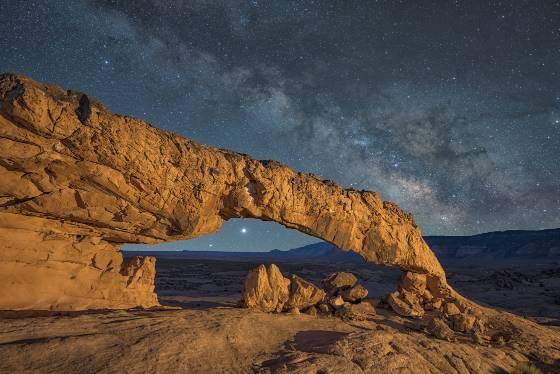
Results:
x,y
77,181
235,340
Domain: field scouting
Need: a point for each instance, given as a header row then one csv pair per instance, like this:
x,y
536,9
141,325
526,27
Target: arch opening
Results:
x,y
77,187
210,271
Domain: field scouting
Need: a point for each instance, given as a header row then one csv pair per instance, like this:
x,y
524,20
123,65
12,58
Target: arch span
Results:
x,y
78,181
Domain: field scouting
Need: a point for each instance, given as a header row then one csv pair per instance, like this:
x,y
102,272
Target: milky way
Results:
x,y
449,108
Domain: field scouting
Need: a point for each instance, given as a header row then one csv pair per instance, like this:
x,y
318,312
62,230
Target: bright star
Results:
x,y
243,230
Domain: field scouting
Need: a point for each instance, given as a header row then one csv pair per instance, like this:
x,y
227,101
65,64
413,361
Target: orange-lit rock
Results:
x,y
77,181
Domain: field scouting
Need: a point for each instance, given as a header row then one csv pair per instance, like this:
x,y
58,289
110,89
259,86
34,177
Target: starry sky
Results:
x,y
449,108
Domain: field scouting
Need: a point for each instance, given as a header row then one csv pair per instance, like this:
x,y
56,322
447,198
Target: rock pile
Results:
x,y
412,296
346,298
266,289
447,315
450,320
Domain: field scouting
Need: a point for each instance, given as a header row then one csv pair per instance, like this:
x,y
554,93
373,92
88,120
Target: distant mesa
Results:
x,y
499,245
522,245
504,245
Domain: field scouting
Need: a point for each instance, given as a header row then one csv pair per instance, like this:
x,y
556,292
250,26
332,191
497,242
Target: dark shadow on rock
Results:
x,y
44,339
316,341
304,342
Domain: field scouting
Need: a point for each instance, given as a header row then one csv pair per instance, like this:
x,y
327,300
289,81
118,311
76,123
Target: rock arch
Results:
x,y
78,181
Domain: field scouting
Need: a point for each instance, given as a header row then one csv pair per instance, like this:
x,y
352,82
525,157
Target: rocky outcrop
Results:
x,y
304,294
354,294
338,281
81,181
266,289
47,264
356,312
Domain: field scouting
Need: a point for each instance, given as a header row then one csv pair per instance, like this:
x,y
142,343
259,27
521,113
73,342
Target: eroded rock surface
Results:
x,y
262,290
80,181
266,289
304,294
234,340
338,281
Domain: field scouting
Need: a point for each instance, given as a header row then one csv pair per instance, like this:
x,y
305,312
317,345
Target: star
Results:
x,y
311,99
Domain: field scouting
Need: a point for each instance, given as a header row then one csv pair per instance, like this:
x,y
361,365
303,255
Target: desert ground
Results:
x,y
531,290
202,329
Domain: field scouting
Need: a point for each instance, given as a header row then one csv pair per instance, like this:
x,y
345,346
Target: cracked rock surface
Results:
x,y
78,181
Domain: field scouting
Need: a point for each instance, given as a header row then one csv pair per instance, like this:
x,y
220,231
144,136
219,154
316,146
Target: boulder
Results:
x,y
462,322
435,304
356,312
451,309
438,328
338,281
336,302
303,294
294,311
427,296
410,298
479,326
354,294
266,289
413,282
324,308
402,307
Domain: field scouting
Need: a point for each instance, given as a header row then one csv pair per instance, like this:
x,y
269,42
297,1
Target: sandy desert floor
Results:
x,y
203,331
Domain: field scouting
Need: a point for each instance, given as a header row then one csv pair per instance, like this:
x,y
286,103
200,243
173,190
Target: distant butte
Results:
x,y
79,181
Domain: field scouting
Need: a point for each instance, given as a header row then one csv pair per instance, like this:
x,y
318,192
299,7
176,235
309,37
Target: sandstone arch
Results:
x,y
78,181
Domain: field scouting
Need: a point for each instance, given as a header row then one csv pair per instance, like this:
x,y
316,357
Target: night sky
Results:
x,y
449,108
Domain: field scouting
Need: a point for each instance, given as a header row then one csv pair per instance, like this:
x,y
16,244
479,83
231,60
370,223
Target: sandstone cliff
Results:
x,y
77,181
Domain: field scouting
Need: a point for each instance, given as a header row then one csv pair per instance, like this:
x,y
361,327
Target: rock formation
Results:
x,y
338,281
266,289
304,294
78,181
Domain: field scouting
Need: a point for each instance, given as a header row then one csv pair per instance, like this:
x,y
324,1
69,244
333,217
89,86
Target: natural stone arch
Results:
x,y
78,181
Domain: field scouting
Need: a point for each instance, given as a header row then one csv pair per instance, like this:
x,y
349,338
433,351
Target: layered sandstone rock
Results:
x,y
338,281
344,286
90,180
266,289
304,294
354,294
46,264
